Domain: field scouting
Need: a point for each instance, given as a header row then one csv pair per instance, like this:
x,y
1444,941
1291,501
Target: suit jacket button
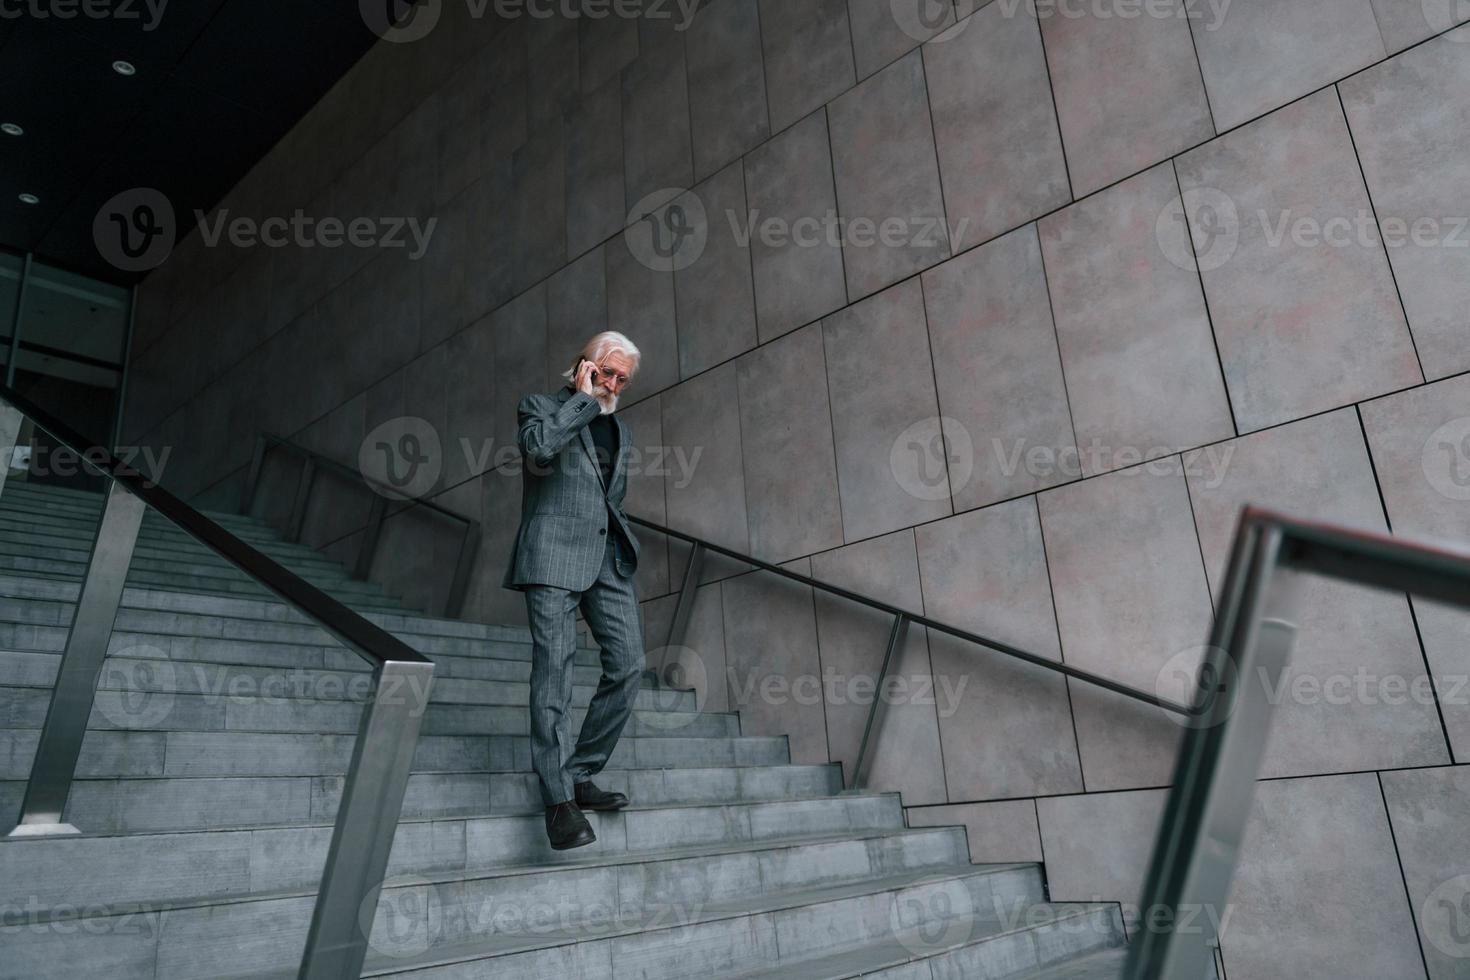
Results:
x,y
603,532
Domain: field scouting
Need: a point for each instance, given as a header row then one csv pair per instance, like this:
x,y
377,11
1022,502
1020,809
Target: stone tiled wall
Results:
x,y
1108,401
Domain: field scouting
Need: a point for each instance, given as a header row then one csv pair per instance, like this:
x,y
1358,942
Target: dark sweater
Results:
x,y
605,438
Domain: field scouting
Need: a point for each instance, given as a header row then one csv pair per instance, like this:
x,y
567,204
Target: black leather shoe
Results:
x,y
589,797
567,828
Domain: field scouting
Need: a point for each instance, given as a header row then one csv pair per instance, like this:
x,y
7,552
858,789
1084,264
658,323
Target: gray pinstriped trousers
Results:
x,y
610,607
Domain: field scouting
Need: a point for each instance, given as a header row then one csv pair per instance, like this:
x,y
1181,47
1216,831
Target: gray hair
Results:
x,y
602,345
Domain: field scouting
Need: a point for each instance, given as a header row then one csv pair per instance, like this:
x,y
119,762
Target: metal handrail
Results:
x,y
377,777
902,618
312,461
1205,816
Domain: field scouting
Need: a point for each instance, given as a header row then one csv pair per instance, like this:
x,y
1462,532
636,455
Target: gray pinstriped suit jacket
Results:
x,y
566,513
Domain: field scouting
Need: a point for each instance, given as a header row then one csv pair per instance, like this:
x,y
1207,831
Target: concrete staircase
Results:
x,y
213,766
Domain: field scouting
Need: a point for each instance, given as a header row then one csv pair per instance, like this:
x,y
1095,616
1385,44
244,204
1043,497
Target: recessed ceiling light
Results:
x,y
29,199
11,129
124,67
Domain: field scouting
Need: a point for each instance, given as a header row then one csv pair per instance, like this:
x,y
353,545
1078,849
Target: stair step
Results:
x,y
109,754
214,865
136,805
1106,965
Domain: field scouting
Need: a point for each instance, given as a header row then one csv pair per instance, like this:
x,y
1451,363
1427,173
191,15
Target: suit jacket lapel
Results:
x,y
620,461
585,438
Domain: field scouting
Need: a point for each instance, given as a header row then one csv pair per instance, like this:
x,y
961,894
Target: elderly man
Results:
x,y
575,550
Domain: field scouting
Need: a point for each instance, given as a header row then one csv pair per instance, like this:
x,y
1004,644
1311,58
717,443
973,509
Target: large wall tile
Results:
x,y
1418,441
657,153
774,668
714,296
711,501
701,661
608,45
1000,155
1430,812
999,833
1264,53
500,519
521,359
882,30
796,258
1010,733
1142,373
1407,22
999,373
882,385
540,206
1083,865
1094,59
1305,322
469,386
727,83
553,59
576,309
904,752
1411,128
888,189
646,491
786,434
596,207
1318,892
640,304
1131,600
809,59
1338,713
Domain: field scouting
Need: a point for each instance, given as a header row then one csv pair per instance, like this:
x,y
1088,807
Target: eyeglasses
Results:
x,y
607,377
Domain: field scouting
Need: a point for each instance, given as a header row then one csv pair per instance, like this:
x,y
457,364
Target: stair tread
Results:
x,y
1104,965
379,964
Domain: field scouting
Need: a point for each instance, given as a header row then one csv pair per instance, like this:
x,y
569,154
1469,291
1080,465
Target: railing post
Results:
x,y
367,819
679,625
11,422
43,810
1207,810
303,495
368,552
897,634
252,475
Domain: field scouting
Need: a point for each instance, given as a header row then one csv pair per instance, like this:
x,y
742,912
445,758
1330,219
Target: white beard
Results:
x,y
606,399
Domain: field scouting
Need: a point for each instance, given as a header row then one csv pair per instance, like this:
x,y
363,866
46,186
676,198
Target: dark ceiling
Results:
x,y
218,83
